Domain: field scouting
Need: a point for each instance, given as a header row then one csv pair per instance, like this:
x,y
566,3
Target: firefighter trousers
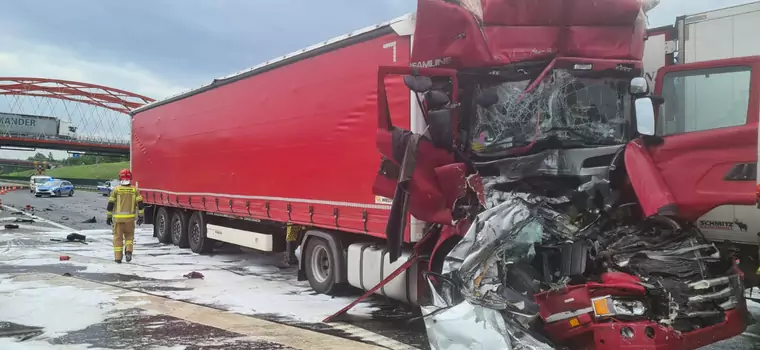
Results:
x,y
123,238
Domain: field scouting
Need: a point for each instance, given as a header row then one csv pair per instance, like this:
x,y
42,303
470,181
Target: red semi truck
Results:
x,y
519,174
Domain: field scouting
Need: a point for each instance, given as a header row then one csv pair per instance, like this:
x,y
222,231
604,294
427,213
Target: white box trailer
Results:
x,y
713,35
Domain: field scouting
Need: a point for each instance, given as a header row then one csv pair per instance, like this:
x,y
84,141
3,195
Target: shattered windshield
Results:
x,y
576,111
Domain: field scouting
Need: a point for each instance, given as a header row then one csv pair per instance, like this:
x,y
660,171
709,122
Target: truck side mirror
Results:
x,y
418,83
638,87
644,116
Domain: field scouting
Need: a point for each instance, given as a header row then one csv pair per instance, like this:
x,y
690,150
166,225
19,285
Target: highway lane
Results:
x,y
248,282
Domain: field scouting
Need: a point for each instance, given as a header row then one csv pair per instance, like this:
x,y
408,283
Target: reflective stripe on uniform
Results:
x,y
127,242
117,249
124,216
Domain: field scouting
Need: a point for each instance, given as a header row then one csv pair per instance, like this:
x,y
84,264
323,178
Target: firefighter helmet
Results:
x,y
125,177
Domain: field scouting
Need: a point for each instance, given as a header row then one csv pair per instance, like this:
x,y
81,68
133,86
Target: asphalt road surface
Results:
x,y
245,300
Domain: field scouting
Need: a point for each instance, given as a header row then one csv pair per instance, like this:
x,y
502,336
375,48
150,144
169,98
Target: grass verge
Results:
x,y
103,171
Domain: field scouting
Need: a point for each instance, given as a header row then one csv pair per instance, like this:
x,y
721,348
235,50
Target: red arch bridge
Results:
x,y
65,115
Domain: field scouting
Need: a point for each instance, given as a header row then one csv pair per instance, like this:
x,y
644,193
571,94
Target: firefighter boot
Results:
x,y
118,261
128,255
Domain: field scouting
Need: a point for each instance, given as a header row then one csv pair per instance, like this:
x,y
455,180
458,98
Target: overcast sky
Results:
x,y
160,47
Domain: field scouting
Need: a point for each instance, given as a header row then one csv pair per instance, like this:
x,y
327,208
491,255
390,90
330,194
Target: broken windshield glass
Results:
x,y
570,109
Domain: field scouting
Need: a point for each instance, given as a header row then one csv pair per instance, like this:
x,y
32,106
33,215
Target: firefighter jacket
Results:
x,y
124,204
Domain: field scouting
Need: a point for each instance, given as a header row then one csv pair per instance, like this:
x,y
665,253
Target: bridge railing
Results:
x,y
67,139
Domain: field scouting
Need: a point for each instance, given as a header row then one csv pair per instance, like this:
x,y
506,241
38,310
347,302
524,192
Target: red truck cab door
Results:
x,y
707,153
419,171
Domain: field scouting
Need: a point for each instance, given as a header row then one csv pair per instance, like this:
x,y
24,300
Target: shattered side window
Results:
x,y
588,111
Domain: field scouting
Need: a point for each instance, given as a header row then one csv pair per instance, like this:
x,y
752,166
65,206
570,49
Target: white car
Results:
x,y
37,180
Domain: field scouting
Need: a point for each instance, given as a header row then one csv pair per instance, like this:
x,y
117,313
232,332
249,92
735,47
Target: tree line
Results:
x,y
82,159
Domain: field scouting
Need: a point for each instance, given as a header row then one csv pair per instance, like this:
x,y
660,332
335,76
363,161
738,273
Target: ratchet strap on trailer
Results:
x,y
412,260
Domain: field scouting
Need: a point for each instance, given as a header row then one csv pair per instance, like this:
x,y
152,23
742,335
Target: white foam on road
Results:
x,y
249,284
58,309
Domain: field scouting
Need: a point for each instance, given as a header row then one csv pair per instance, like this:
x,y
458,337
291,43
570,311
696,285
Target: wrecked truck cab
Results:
x,y
558,247
557,213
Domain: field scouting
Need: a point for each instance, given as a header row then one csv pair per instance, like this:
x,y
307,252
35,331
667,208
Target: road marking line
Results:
x,y
41,219
373,337
245,325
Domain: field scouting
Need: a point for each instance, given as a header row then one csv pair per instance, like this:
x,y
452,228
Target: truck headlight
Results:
x,y
609,306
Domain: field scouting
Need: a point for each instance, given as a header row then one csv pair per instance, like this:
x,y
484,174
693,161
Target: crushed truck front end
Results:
x,y
555,213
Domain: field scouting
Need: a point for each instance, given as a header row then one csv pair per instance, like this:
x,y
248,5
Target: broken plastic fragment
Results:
x,y
193,275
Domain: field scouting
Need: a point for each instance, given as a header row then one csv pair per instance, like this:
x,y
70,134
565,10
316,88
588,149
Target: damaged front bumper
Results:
x,y
585,316
525,276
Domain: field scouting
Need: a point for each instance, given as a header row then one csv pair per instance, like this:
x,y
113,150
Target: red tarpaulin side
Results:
x,y
298,136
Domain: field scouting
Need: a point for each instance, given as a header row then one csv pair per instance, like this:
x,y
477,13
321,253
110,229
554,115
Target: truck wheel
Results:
x,y
179,228
161,226
196,234
320,266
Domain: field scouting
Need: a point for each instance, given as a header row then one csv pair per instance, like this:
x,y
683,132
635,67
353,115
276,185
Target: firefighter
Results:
x,y
124,204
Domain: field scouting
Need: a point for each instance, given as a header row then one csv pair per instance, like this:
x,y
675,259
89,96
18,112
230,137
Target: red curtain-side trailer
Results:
x,y
289,141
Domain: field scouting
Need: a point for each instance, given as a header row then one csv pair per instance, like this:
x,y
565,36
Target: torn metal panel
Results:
x,y
463,325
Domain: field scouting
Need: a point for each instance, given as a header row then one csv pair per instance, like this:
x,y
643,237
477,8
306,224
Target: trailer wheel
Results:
x,y
161,226
320,266
179,228
196,234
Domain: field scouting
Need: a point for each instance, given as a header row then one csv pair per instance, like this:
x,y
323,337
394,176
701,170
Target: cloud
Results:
x,y
46,61
38,60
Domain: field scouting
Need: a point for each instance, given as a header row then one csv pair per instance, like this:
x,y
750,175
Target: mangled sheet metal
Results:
x,y
525,274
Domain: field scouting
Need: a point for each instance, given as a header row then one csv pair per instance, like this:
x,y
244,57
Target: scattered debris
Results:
x,y
26,221
193,275
47,209
64,218
64,257
90,221
67,274
76,237
17,213
11,226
